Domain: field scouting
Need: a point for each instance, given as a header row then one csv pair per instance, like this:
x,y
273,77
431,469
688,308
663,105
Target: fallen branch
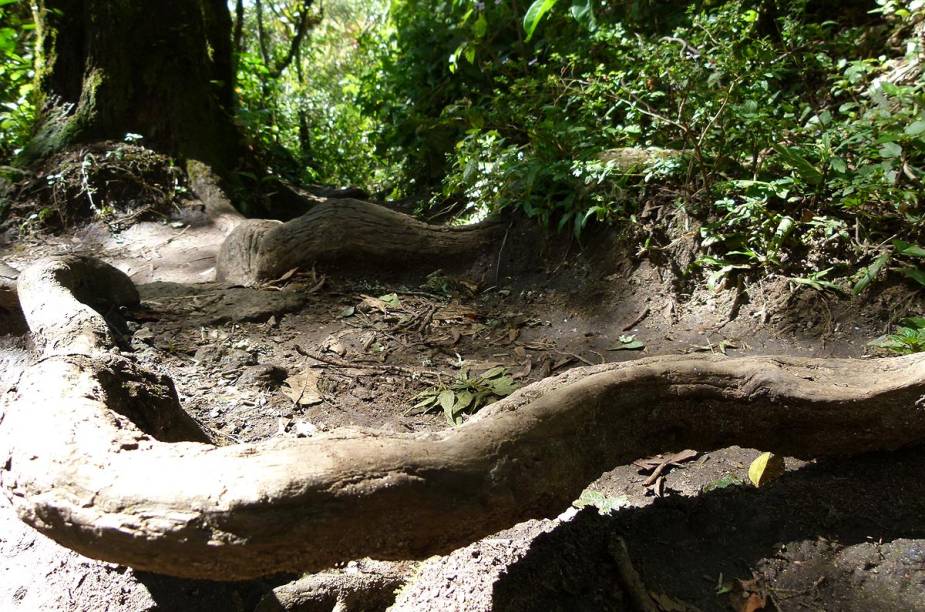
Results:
x,y
86,475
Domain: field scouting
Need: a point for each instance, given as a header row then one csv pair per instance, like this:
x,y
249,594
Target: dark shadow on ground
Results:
x,y
180,595
838,535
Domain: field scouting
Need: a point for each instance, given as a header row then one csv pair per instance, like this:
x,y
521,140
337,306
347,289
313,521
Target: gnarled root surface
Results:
x,y
350,232
92,453
370,586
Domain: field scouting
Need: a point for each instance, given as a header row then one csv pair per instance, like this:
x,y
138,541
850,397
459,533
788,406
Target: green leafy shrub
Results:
x,y
909,337
17,110
466,394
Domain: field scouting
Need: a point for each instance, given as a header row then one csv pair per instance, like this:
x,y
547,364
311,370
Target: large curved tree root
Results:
x,y
348,231
80,467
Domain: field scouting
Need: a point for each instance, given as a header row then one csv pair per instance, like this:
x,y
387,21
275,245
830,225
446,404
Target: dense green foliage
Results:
x,y
800,124
16,72
307,116
779,136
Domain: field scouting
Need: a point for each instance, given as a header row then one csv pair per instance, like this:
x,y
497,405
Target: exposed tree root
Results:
x,y
368,587
352,232
78,467
11,317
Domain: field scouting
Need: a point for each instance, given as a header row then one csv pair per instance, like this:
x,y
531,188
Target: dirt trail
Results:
x,y
314,351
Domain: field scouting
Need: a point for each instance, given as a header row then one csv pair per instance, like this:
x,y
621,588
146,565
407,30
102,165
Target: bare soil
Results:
x,y
357,352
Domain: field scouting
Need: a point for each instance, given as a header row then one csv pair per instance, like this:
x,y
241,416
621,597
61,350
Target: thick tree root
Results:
x,y
12,321
348,232
78,467
368,587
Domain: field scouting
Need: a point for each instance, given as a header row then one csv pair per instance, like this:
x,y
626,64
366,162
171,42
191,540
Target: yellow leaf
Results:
x,y
765,468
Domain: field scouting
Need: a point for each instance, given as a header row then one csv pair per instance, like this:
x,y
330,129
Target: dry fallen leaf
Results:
x,y
747,596
453,312
302,388
375,303
333,345
765,468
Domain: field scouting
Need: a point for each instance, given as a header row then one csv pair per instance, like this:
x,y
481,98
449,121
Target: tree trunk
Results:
x,y
159,69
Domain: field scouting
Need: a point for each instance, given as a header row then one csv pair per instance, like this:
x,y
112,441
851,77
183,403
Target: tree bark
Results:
x,y
78,467
162,70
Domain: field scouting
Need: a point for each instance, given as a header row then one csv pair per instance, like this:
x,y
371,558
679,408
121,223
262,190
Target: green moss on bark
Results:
x,y
161,70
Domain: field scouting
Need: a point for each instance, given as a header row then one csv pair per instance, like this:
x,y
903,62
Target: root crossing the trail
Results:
x,y
97,453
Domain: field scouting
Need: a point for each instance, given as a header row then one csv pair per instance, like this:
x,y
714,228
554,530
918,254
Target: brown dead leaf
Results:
x,y
302,388
333,345
473,287
747,596
284,277
528,367
455,312
375,303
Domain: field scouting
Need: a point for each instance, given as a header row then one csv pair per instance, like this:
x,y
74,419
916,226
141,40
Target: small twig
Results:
x,y
501,252
575,356
637,320
363,365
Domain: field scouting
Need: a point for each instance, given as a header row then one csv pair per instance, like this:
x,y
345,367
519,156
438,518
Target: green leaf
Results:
x,y
906,248
783,230
391,300
889,150
807,171
535,14
869,273
915,273
480,27
604,504
503,386
635,345
447,401
628,343
583,12
463,399
914,322
915,128
493,372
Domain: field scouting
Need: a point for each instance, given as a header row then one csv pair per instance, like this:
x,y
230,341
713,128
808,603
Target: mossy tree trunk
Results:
x,y
161,69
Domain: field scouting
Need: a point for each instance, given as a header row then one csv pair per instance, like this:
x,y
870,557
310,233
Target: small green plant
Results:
x,y
723,482
909,337
603,503
466,394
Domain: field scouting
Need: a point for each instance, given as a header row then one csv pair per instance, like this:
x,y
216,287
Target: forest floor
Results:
x,y
317,350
